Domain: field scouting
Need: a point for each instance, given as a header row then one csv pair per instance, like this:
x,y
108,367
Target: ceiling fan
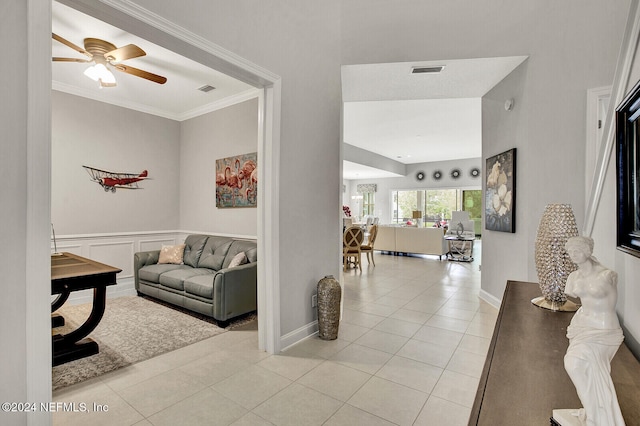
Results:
x,y
105,55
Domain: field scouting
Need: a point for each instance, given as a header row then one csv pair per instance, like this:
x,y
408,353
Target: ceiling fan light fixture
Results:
x,y
99,72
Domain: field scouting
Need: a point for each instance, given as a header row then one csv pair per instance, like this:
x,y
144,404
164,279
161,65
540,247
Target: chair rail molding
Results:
x,y
619,89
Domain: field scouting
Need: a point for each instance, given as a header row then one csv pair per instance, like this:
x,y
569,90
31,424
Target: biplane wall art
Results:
x,y
237,181
110,181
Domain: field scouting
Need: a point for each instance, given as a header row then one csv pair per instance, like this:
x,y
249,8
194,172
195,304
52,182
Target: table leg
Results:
x,y
58,320
59,301
69,347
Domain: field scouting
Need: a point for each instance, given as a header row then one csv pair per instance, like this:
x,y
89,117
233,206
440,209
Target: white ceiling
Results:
x,y
418,118
410,118
177,99
416,131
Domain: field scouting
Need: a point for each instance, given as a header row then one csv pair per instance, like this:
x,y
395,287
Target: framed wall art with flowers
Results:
x,y
500,192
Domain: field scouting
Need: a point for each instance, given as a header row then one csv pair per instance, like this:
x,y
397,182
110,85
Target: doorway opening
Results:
x,y
150,27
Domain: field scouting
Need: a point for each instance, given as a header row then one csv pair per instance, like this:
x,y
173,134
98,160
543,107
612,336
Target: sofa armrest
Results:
x,y
144,258
235,291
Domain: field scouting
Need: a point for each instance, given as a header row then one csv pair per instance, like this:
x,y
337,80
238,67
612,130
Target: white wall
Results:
x,y
108,137
383,202
223,133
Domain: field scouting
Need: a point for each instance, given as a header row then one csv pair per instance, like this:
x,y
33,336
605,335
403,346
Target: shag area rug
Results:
x,y
133,329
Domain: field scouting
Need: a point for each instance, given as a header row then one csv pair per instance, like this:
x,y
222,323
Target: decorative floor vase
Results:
x,y
553,264
329,295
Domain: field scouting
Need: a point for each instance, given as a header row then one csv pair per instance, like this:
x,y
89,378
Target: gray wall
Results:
x,y
25,371
300,42
501,131
13,209
87,132
219,134
383,201
180,158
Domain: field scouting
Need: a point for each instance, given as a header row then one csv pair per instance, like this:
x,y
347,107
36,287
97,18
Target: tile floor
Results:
x,y
411,347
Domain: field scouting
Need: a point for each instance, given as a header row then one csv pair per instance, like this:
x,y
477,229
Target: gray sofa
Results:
x,y
203,283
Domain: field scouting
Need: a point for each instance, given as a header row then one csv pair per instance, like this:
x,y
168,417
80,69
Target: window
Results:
x,y
436,205
472,202
368,202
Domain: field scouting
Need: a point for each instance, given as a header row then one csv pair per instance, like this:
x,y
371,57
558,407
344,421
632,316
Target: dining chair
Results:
x,y
351,242
368,247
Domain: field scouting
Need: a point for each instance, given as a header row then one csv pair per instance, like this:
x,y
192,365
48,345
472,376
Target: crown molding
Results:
x,y
220,104
89,94
196,112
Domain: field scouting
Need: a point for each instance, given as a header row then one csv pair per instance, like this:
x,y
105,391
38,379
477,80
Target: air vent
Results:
x,y
427,70
206,88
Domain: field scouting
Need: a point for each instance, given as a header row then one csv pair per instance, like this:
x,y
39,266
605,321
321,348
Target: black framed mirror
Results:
x,y
628,172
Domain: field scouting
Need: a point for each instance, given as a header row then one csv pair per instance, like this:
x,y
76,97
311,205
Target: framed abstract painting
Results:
x,y
237,181
500,192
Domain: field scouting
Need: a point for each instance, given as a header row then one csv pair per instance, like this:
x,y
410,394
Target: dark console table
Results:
x,y
70,272
524,378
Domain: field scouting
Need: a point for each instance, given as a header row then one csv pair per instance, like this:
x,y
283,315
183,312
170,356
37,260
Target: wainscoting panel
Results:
x,y
116,250
115,253
156,244
69,248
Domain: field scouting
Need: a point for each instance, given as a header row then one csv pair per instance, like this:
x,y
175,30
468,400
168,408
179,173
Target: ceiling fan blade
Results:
x,y
71,45
125,52
70,60
140,73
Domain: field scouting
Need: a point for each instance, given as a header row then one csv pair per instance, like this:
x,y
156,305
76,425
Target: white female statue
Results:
x,y
594,336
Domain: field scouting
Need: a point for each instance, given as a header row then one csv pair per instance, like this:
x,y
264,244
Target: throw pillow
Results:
x,y
238,259
172,254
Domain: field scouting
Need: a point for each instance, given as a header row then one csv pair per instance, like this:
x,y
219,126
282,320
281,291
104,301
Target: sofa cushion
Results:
x,y
151,273
171,254
202,286
194,244
238,259
214,252
175,279
248,247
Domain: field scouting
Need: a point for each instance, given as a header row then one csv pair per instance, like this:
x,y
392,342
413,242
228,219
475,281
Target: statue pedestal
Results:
x,y
567,417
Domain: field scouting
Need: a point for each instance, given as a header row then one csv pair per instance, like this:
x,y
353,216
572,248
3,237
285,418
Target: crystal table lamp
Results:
x,y
553,264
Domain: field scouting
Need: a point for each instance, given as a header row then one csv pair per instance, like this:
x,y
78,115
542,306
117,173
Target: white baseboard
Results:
x,y
296,336
125,287
490,299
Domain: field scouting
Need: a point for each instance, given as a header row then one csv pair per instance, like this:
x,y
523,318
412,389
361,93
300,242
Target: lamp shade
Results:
x,y
417,214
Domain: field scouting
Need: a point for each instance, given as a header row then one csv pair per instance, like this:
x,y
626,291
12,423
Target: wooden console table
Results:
x,y
524,378
70,272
